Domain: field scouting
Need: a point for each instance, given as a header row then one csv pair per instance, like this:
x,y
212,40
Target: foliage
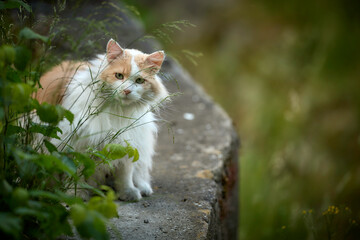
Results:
x,y
116,151
35,175
333,223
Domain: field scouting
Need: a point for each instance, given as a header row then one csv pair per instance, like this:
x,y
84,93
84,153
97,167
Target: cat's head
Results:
x,y
132,75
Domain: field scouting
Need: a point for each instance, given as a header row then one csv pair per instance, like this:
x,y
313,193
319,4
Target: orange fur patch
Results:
x,y
119,65
140,60
55,81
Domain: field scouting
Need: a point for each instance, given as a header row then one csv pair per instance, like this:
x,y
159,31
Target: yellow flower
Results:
x,y
283,227
333,210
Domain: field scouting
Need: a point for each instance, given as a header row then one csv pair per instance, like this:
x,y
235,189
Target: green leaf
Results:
x,y
68,199
10,4
45,161
27,33
44,194
48,131
95,202
19,94
89,164
20,196
5,188
69,116
56,163
26,163
8,54
48,113
20,91
104,206
34,103
10,224
136,155
13,75
132,152
68,162
23,56
50,147
93,226
90,223
35,76
91,188
99,154
129,151
56,221
25,211
53,113
12,129
114,151
78,214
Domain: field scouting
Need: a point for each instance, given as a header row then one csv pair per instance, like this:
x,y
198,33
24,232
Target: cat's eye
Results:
x,y
119,76
140,80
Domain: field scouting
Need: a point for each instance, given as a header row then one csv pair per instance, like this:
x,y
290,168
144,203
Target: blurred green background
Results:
x,y
288,73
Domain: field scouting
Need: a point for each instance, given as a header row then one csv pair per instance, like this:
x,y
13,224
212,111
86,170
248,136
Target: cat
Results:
x,y
112,98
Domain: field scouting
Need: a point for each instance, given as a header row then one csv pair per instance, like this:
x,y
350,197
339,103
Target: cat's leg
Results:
x,y
142,178
123,181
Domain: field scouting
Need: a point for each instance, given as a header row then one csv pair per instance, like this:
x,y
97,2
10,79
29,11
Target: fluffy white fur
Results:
x,y
103,114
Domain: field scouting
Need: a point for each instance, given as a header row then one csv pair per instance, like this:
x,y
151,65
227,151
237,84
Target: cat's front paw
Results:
x,y
145,189
130,194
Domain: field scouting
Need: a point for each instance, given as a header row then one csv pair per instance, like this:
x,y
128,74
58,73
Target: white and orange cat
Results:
x,y
111,97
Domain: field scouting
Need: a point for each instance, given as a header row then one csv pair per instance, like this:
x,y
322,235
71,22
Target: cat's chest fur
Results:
x,y
110,126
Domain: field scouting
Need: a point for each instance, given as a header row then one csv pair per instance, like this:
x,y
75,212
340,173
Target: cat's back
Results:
x,y
55,81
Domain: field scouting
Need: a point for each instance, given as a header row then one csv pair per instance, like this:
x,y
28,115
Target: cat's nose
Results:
x,y
127,91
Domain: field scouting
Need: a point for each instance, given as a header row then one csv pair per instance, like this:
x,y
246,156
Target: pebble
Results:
x,y
189,116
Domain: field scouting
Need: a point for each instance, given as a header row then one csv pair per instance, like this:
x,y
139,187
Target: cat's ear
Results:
x,y
155,60
113,50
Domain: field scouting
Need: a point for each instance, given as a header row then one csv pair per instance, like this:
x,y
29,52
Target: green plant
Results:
x,y
333,223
